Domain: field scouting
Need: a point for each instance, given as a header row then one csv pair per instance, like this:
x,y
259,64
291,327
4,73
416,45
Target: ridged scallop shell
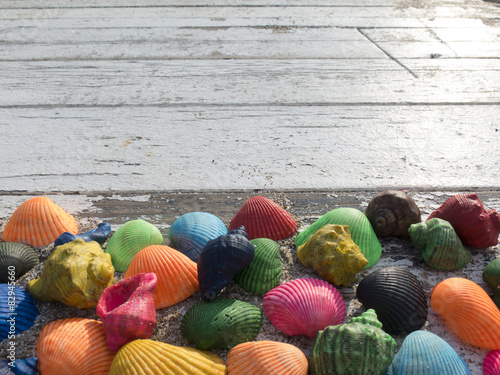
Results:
x,y
221,259
441,248
491,276
359,347
18,310
469,312
38,222
18,257
28,366
391,212
476,226
75,274
190,232
424,353
221,323
176,273
332,253
99,235
265,270
129,239
360,228
73,346
262,218
397,297
304,307
266,357
148,357
491,364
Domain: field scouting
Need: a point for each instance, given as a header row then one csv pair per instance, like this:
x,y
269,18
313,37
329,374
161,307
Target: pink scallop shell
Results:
x,y
474,225
491,364
262,218
304,306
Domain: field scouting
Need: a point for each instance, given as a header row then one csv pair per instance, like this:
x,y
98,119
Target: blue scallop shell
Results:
x,y
221,259
99,234
28,366
191,232
20,314
424,353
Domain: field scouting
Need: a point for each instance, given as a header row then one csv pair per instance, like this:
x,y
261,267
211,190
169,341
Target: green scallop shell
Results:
x,y
264,272
221,323
491,276
129,239
361,230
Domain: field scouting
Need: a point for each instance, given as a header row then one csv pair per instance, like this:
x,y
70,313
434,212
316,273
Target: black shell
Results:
x,y
17,258
397,297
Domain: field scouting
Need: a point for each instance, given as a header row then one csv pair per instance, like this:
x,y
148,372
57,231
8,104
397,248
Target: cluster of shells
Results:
x,y
204,257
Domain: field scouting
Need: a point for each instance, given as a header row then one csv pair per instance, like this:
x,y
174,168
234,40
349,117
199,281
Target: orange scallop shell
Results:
x,y
266,357
38,222
73,346
468,311
177,274
262,218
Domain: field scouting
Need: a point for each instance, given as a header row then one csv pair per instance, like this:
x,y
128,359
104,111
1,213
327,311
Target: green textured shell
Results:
x,y
17,257
491,276
129,239
354,348
440,245
265,270
360,228
222,323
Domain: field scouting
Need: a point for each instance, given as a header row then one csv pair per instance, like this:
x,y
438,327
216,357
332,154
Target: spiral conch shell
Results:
x,y
75,274
333,254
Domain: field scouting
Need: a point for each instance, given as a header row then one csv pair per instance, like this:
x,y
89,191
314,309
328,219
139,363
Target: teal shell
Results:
x,y
440,245
361,230
222,323
359,347
491,276
265,270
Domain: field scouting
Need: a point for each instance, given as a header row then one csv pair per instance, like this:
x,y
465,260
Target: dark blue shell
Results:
x,y
20,314
99,234
28,366
221,259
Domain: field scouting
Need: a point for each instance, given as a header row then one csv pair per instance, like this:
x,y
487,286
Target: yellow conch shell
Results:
x,y
75,274
332,253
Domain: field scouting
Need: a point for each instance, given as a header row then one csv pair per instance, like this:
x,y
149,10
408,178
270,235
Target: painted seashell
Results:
x,y
99,235
332,253
127,310
491,276
129,239
441,248
469,312
360,229
221,323
15,260
75,274
148,357
397,297
28,366
491,364
221,259
424,353
262,218
38,222
191,232
18,310
391,212
266,357
304,307
359,347
476,226
265,270
73,346
176,273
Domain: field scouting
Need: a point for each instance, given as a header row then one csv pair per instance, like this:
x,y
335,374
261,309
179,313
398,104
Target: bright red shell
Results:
x,y
474,225
491,364
262,218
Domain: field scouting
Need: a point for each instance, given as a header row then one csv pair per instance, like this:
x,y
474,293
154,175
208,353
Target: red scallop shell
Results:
x,y
491,364
474,225
262,218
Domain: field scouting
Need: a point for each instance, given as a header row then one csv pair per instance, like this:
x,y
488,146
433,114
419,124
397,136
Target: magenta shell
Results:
x,y
127,310
491,364
304,306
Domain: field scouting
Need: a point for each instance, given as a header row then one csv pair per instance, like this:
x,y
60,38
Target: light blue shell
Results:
x,y
424,353
191,232
20,314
